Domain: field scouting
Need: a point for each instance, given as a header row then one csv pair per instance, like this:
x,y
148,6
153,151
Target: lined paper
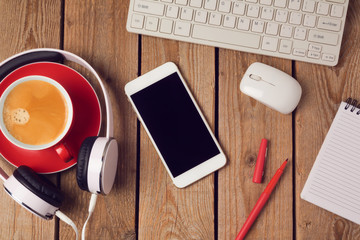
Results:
x,y
334,180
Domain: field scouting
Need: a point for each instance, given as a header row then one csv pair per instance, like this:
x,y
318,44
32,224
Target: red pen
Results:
x,y
261,202
260,162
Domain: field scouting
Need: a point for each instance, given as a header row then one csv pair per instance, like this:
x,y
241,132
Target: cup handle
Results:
x,y
63,152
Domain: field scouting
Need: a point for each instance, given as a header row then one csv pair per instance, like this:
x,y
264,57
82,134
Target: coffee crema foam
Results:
x,y
35,112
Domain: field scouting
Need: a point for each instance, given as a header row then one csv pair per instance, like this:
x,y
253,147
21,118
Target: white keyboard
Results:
x,y
304,30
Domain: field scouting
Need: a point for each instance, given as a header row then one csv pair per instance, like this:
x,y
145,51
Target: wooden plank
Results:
x,y
243,122
96,32
324,88
167,212
25,25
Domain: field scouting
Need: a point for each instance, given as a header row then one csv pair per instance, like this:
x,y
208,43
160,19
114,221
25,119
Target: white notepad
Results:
x,y
334,180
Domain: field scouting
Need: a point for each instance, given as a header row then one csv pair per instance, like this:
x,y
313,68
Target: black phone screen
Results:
x,y
175,124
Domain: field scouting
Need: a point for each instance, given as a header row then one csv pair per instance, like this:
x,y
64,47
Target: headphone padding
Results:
x,y
39,185
83,162
41,56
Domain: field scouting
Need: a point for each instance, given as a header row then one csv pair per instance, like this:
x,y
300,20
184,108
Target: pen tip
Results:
x,y
287,159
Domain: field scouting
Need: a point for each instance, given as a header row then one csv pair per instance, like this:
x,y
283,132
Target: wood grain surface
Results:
x,y
25,25
167,212
324,88
97,33
144,203
243,122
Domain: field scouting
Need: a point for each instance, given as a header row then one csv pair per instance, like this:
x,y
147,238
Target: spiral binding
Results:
x,y
353,103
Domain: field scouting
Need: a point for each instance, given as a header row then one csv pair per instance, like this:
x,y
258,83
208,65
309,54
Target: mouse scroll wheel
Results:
x,y
255,77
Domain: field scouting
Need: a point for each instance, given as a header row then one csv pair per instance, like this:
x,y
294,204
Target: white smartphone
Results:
x,y
175,124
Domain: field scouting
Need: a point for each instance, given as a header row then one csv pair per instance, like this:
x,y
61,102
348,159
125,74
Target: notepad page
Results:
x,y
334,180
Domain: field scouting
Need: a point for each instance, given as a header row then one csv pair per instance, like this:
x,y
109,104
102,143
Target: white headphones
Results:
x,y
97,159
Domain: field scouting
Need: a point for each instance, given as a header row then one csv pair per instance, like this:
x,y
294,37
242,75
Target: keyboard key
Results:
x,y
229,21
210,4
309,6
137,21
267,13
215,19
152,23
266,2
239,8
294,4
312,54
329,24
285,46
149,7
323,37
295,18
281,16
182,29
280,3
166,26
309,20
328,57
336,1
257,26
201,16
253,11
196,3
286,31
269,44
323,8
172,12
299,52
315,48
186,14
226,36
300,33
337,11
272,28
224,6
181,2
295,29
243,24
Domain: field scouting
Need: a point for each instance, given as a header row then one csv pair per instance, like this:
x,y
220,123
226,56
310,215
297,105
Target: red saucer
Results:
x,y
87,118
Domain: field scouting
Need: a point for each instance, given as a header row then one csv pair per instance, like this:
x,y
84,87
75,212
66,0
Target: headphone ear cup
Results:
x,y
83,162
39,185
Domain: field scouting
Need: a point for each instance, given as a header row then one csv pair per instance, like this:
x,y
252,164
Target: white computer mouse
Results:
x,y
272,87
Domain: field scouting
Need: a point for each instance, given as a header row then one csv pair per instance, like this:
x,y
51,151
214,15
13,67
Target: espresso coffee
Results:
x,y
35,112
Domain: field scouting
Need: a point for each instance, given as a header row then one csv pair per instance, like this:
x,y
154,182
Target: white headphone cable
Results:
x,y
67,220
91,210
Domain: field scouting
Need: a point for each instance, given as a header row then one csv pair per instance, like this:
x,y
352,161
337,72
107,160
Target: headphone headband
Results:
x,y
57,55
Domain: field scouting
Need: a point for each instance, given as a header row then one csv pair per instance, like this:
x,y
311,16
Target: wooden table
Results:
x,y
144,203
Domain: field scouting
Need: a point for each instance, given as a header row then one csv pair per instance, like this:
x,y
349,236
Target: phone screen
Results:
x,y
175,124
